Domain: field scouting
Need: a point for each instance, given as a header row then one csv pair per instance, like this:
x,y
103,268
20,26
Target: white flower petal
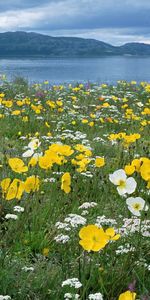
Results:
x,y
117,176
28,153
130,185
137,200
134,212
121,190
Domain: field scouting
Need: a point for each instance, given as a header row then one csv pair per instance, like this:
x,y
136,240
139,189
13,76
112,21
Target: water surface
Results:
x,y
105,69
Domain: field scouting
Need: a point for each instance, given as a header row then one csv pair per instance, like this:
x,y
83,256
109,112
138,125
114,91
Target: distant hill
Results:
x,y
33,44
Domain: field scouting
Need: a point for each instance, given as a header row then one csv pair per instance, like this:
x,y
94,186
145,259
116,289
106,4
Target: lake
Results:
x,y
104,69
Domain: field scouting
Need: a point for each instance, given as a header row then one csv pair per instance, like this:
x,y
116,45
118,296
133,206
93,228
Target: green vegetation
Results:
x,y
59,147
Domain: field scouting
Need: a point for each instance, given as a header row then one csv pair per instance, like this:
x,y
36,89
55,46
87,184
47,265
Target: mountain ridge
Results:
x,y
21,43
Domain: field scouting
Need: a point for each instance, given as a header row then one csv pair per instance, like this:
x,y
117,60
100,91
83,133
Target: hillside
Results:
x,y
34,44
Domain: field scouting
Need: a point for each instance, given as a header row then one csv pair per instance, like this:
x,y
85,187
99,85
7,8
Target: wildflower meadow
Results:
x,y
74,185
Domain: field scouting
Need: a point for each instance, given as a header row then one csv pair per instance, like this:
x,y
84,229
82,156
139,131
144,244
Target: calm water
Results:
x,y
106,69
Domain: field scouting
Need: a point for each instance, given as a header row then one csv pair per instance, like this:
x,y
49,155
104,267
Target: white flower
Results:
x,y
124,185
61,225
38,154
135,205
87,205
34,144
96,296
5,297
28,153
26,269
62,238
103,220
75,220
125,249
68,296
72,282
11,216
18,208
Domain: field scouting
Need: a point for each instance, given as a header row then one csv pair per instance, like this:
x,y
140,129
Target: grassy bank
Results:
x,y
69,228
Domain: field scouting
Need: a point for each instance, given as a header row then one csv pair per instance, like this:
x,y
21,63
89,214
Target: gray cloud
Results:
x,y
9,5
107,18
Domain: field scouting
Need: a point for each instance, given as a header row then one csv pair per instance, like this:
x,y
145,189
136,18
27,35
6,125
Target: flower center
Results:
x,y
122,183
137,206
95,239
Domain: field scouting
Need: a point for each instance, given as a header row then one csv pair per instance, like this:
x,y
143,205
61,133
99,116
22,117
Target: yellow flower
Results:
x,y
128,295
93,238
60,109
5,183
148,184
12,190
111,234
15,190
106,104
59,103
25,119
61,149
45,162
73,122
45,251
146,111
33,161
83,164
145,170
66,182
99,162
32,184
17,165
20,102
129,169
84,121
91,124
8,103
16,112
136,163
47,125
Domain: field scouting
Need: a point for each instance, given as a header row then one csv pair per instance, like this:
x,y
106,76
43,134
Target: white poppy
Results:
x,y
124,185
34,144
28,153
135,205
37,155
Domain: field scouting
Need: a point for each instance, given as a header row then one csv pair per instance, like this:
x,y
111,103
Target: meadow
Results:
x,y
74,184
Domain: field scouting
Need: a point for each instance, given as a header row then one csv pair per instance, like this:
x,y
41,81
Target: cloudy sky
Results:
x,y
112,21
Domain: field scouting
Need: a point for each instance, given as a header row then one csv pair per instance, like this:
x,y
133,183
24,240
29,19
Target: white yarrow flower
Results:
x,y
62,238
11,216
75,220
96,296
69,296
5,297
72,282
124,185
18,208
27,269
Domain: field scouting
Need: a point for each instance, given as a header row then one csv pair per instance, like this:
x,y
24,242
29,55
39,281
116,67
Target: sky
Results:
x,y
112,21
